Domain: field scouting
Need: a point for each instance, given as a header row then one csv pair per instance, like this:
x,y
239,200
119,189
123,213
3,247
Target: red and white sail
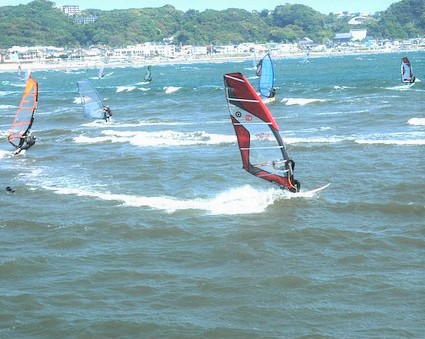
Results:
x,y
263,152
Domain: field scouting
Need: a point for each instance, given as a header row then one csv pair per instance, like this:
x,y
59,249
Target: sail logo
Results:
x,y
263,135
248,117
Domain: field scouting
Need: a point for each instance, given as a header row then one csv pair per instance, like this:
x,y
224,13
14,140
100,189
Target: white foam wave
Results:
x,y
400,87
98,122
241,200
158,139
117,124
300,101
170,89
416,121
73,71
4,154
342,87
125,89
175,138
324,140
8,107
18,85
4,93
94,140
390,141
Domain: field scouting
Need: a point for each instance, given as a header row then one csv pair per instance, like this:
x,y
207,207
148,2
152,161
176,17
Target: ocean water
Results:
x,y
148,226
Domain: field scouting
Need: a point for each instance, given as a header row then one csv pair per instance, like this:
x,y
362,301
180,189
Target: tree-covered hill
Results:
x,y
40,23
404,19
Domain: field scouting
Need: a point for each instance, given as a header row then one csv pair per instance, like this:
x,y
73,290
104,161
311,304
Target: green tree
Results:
x,y
40,23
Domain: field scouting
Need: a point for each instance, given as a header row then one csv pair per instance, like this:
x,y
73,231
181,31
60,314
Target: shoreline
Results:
x,y
12,66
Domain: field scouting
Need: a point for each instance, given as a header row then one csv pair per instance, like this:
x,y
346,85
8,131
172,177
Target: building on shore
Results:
x,y
356,41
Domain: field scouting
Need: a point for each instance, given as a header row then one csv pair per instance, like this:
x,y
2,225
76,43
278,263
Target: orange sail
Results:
x,y
24,118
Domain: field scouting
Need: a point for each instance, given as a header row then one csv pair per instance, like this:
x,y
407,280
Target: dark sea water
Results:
x,y
148,226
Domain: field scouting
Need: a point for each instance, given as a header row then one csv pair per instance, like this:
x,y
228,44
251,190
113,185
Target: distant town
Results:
x,y
354,41
167,52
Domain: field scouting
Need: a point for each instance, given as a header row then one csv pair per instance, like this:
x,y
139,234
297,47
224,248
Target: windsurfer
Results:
x,y
107,113
26,142
295,185
406,71
10,189
259,68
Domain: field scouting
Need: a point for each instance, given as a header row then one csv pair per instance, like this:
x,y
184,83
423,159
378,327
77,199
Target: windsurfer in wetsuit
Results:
x,y
107,113
259,68
287,166
26,142
296,185
407,67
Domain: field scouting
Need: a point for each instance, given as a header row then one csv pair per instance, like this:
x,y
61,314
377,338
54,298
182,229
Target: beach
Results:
x,y
97,62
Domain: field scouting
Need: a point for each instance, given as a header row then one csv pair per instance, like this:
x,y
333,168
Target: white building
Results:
x,y
70,9
358,34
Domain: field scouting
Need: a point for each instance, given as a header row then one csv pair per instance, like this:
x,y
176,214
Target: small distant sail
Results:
x,y
21,75
263,152
101,72
265,71
407,71
148,74
24,118
254,60
91,101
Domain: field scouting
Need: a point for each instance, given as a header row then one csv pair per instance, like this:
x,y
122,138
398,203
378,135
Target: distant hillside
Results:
x,y
39,23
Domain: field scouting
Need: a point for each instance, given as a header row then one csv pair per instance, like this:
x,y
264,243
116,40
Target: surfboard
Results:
x,y
318,189
311,193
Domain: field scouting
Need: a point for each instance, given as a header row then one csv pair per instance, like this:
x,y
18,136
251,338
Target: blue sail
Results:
x,y
266,74
91,101
407,71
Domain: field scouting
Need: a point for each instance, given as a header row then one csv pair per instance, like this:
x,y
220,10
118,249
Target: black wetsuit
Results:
x,y
25,143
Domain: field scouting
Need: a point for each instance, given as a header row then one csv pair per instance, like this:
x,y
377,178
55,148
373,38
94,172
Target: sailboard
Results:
x,y
263,152
148,74
91,100
20,130
305,58
101,73
265,71
20,76
407,71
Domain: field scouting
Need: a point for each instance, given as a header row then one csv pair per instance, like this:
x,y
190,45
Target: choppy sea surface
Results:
x,y
148,227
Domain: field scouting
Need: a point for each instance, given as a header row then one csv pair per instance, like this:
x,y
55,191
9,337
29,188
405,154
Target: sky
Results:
x,y
323,6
